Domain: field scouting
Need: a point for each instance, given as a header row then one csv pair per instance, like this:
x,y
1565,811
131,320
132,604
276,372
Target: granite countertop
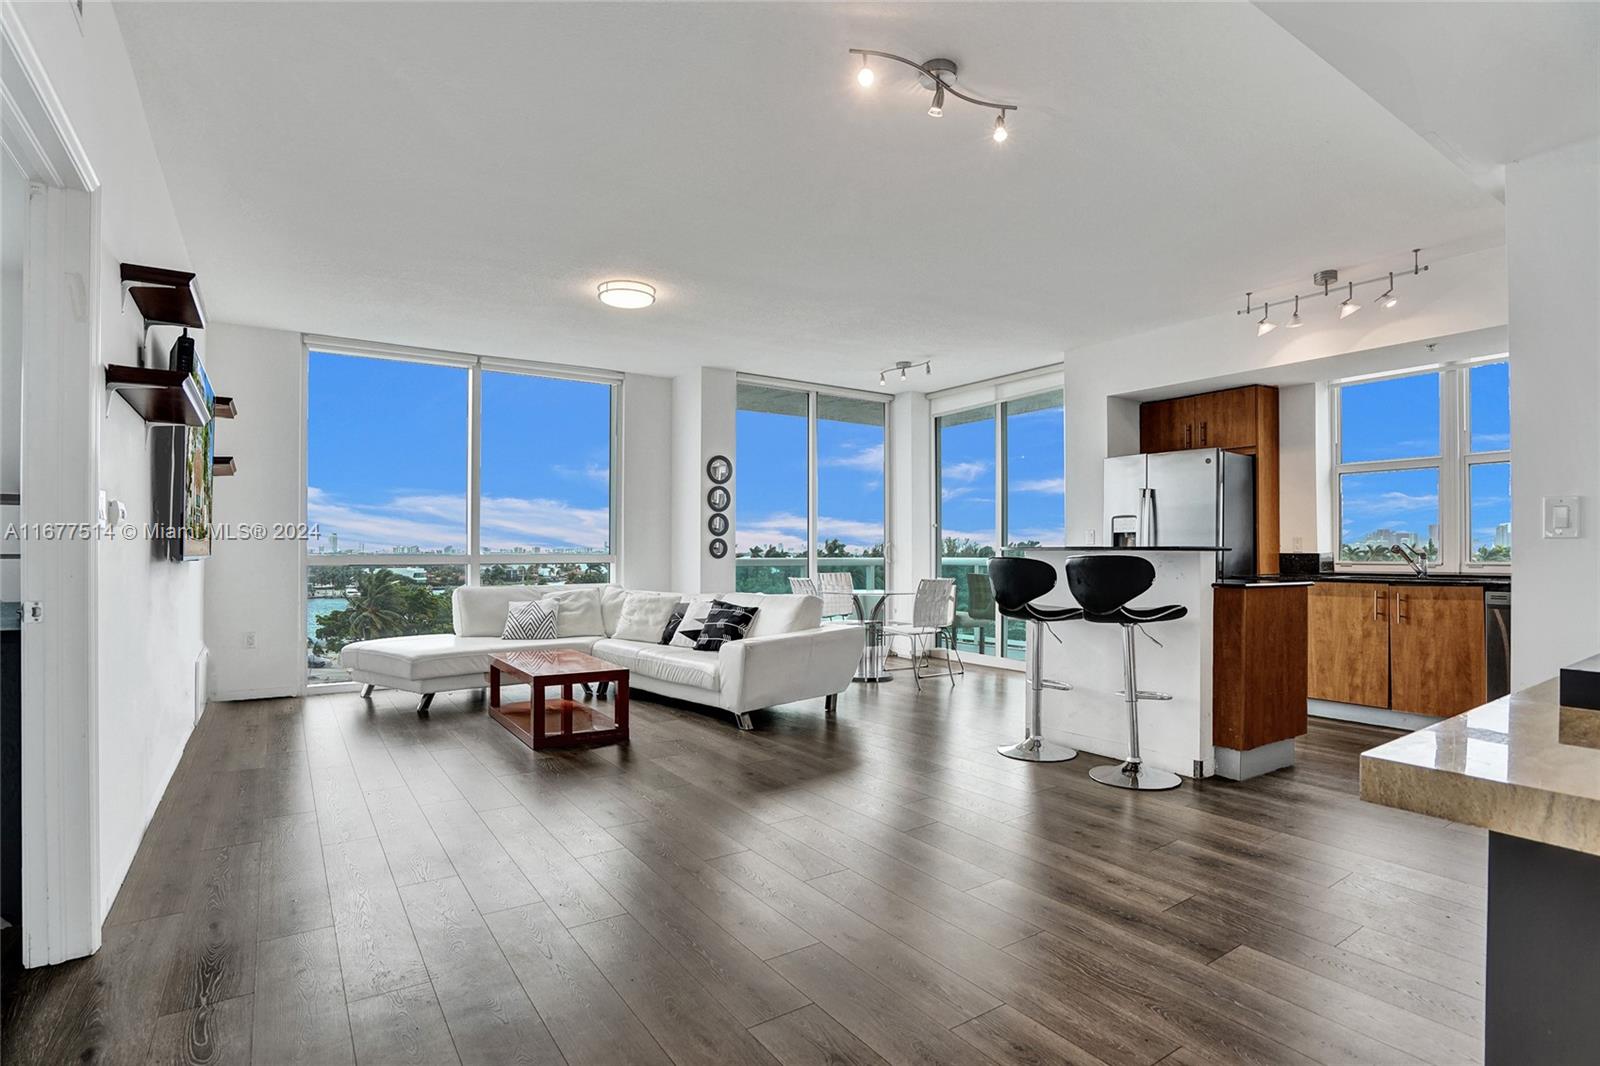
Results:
x,y
1522,765
1124,548
1490,581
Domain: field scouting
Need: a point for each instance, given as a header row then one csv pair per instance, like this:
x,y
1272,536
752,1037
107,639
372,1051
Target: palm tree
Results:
x,y
377,607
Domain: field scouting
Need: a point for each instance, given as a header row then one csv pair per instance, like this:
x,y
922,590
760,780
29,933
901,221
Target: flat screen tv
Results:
x,y
181,482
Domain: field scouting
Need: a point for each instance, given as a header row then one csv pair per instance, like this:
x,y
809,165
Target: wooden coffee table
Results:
x,y
562,723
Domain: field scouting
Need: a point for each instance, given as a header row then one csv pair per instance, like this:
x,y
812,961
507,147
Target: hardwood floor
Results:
x,y
328,881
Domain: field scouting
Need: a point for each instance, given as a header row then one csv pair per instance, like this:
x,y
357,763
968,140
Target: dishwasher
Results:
x,y
1497,640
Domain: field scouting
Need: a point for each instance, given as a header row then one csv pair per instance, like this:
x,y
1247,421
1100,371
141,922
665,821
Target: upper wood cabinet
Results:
x,y
1241,420
1437,662
1347,643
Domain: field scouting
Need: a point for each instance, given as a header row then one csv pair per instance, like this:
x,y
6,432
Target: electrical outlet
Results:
x,y
1299,543
250,640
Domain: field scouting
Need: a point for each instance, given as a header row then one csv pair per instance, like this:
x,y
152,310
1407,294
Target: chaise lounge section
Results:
x,y
788,654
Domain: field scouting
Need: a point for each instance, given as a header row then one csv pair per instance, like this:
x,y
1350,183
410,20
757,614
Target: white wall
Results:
x,y
1305,446
911,504
647,453
1457,295
253,586
704,402
149,612
1553,259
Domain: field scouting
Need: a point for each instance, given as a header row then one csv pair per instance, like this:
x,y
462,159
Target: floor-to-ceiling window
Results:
x,y
424,474
1001,484
809,486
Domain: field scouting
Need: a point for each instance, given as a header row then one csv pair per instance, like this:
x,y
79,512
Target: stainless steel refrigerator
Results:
x,y
1204,497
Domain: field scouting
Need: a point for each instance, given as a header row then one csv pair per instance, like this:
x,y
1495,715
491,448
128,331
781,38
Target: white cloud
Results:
x,y
968,471
437,522
1043,484
868,458
589,472
1389,503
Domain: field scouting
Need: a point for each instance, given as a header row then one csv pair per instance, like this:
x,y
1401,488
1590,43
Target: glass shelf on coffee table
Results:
x,y
543,723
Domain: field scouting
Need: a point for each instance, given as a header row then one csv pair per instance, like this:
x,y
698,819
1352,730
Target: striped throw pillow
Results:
x,y
529,620
724,622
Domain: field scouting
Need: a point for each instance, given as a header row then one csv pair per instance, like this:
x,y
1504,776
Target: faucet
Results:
x,y
1418,561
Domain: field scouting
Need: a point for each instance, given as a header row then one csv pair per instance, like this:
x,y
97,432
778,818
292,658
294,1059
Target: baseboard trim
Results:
x,y
236,695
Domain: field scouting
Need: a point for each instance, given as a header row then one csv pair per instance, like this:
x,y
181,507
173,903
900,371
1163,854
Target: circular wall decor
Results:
x,y
718,524
719,468
718,547
718,499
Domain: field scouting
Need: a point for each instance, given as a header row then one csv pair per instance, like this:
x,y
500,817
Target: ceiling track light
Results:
x,y
938,75
1325,280
904,366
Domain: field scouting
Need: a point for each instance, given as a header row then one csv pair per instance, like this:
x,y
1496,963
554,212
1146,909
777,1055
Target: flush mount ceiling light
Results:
x,y
1326,279
628,295
939,77
905,366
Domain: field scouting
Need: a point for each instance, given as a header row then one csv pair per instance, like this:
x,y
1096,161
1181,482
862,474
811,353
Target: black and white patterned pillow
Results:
x,y
724,622
529,620
671,628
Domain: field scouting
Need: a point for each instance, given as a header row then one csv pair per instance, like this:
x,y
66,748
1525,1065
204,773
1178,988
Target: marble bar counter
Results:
x,y
1527,769
1174,735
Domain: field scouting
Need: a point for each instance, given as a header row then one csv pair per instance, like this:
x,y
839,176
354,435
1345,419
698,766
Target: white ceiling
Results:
x,y
460,176
1485,83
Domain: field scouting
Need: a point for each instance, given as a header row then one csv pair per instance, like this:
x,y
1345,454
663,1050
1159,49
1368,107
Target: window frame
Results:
x,y
1453,460
812,392
473,559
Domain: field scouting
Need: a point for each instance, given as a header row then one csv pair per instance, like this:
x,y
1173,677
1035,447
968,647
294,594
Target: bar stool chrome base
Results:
x,y
1038,749
1136,776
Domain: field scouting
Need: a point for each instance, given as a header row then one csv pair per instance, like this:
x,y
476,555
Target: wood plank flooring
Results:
x,y
332,881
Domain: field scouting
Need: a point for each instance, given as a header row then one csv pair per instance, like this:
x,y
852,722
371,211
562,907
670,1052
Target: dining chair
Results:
x,y
933,615
838,590
802,586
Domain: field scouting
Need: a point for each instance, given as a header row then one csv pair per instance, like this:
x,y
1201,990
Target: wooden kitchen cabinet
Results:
x,y
1347,643
1437,662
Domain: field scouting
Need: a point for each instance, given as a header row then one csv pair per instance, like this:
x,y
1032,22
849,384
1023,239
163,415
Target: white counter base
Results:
x,y
1174,735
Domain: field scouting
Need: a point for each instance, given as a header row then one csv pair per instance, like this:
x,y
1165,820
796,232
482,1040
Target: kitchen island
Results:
x,y
1091,716
1527,769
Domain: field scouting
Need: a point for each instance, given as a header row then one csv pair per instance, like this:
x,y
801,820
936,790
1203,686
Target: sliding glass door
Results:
x,y
1001,484
809,487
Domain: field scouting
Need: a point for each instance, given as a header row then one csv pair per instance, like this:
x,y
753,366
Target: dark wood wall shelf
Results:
x,y
224,407
163,397
164,297
223,466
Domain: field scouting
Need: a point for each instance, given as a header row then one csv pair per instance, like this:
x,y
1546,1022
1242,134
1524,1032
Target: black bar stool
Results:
x,y
1017,583
1103,585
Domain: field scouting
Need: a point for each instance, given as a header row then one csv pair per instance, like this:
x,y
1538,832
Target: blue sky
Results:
x,y
1035,475
771,478
387,458
1398,418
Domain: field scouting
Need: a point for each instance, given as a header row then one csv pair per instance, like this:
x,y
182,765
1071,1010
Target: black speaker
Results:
x,y
181,357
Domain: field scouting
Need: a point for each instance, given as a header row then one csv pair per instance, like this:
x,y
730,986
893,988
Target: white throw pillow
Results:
x,y
529,620
644,615
693,619
578,612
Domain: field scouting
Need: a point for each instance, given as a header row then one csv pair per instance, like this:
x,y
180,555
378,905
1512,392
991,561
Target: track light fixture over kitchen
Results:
x,y
939,76
1325,280
905,366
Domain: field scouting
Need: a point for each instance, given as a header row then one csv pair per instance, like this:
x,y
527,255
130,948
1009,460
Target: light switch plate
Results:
x,y
1563,517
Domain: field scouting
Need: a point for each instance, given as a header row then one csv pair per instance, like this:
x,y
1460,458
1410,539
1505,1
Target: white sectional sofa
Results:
x,y
788,654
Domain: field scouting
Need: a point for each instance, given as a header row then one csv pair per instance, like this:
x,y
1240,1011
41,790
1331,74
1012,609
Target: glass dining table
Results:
x,y
870,605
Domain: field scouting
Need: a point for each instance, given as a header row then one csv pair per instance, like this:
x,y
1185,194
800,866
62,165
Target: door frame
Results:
x,y
61,904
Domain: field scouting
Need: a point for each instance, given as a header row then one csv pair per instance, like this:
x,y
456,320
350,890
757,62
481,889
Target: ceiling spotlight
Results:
x,y
628,295
905,366
1000,133
927,368
1266,325
939,76
936,109
1296,322
1389,299
1348,305
883,378
864,76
